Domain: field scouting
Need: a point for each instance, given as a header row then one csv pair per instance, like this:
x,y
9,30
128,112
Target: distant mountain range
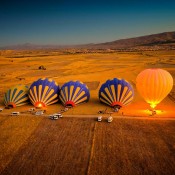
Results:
x,y
161,39
164,40
29,46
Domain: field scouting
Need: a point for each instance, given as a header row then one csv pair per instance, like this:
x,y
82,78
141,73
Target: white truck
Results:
x,y
55,116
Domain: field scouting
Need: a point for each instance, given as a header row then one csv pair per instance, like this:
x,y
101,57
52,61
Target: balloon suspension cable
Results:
x,y
102,111
65,109
110,113
105,112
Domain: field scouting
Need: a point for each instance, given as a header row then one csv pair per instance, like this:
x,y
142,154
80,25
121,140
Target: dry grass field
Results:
x,y
55,148
13,133
21,67
79,146
134,143
134,147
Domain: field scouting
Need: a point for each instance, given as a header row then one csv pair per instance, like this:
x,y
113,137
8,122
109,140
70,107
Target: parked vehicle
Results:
x,y
99,119
55,116
15,113
58,114
110,119
39,113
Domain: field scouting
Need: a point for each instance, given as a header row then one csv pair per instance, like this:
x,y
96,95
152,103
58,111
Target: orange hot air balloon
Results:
x,y
154,85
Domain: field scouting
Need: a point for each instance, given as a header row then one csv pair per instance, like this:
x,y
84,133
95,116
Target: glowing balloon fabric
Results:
x,y
116,92
44,92
73,93
154,85
16,96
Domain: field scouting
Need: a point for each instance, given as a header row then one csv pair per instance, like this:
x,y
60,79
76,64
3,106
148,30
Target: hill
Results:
x,y
161,41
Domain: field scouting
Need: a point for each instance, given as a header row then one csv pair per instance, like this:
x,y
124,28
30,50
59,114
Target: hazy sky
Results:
x,y
82,21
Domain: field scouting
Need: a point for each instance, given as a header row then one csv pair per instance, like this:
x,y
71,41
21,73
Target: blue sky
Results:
x,y
79,22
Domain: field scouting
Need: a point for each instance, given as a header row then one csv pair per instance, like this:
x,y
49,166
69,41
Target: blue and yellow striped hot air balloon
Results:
x,y
74,93
16,96
44,92
116,93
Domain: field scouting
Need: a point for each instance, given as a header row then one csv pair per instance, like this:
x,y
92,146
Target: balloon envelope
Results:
x,y
116,92
16,96
44,92
154,85
74,93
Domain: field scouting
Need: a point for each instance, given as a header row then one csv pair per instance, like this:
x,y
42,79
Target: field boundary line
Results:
x,y
92,150
94,116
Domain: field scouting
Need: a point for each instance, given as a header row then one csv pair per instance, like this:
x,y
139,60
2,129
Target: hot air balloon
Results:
x,y
74,93
154,85
16,96
116,93
44,92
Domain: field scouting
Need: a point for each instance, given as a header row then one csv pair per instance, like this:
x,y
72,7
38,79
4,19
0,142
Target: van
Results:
x,y
110,119
99,119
